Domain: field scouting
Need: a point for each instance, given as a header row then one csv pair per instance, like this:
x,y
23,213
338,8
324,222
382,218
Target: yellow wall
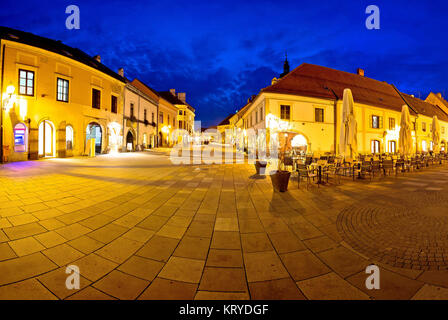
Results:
x,y
77,113
167,127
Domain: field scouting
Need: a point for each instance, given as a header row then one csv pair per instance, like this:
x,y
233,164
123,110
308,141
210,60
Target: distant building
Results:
x,y
140,116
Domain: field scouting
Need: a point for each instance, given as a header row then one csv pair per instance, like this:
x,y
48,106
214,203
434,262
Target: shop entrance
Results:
x,y
46,139
94,131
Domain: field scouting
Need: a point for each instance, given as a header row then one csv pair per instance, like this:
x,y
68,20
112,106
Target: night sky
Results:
x,y
221,52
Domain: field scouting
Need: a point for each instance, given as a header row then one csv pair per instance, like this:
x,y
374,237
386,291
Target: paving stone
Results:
x,y
50,239
330,287
163,289
392,286
303,265
429,292
343,261
193,247
158,248
255,242
121,285
23,231
25,267
85,244
208,295
73,231
286,242
94,267
119,250
223,279
56,282
261,266
29,289
281,289
90,293
224,258
141,267
63,254
183,269
226,240
320,243
26,246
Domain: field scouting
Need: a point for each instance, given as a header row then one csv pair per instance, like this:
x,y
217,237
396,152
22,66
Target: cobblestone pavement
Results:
x,y
139,227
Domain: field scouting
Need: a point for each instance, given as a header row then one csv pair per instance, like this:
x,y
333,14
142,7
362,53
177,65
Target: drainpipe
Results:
x,y
157,125
335,116
1,104
124,108
138,119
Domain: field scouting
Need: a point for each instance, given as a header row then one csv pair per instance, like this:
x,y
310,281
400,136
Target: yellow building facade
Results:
x,y
57,101
307,103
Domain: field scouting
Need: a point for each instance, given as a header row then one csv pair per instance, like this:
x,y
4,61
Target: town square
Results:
x,y
203,154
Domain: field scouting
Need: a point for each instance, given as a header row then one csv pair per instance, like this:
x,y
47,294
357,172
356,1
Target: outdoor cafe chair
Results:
x,y
376,167
388,167
305,172
366,169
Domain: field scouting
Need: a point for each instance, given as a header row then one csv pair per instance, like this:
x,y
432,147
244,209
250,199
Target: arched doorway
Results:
x,y
300,144
94,131
130,141
46,139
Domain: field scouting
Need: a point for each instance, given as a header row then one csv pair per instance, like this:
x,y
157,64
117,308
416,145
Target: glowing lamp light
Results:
x,y
23,104
10,90
165,129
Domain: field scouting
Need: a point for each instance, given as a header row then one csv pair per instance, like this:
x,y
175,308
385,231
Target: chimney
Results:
x,y
173,92
439,95
360,72
121,72
274,81
97,58
182,96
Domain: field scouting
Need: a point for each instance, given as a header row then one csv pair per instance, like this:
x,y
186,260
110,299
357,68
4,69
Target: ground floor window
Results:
x,y
375,146
20,138
392,146
424,146
69,137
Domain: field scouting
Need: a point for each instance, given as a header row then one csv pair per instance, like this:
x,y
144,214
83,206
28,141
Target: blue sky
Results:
x,y
221,52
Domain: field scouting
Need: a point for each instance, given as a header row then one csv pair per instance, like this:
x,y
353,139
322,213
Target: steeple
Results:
x,y
285,66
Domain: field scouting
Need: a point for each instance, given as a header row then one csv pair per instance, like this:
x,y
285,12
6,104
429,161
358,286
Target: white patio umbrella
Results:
x,y
348,142
405,132
435,134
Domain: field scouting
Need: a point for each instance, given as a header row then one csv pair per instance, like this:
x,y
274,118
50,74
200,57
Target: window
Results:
x,y
152,116
174,123
285,112
180,124
319,115
180,112
391,123
415,126
131,114
62,90
392,146
168,119
443,130
113,104
161,117
26,82
424,126
256,117
424,147
261,113
144,115
376,122
20,138
374,146
69,137
96,98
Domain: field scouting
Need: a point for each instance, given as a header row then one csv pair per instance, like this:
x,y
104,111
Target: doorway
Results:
x,y
94,132
129,141
46,139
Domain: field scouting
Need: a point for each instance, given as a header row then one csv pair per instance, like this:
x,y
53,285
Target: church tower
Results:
x,y
285,66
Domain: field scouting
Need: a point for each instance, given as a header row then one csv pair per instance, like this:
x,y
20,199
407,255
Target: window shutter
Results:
x,y
371,122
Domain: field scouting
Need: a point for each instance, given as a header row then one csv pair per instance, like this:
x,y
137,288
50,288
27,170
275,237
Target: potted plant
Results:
x,y
280,178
